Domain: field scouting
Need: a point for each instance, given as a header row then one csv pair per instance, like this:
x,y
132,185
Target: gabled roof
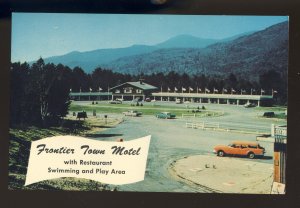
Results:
x,y
142,86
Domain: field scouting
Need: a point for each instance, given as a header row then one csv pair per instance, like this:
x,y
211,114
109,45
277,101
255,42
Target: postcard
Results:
x,y
148,103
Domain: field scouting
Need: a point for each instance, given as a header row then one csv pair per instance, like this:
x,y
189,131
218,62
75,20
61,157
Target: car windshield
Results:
x,y
260,147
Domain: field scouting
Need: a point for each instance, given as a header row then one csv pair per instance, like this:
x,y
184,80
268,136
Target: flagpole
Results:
x,y
108,92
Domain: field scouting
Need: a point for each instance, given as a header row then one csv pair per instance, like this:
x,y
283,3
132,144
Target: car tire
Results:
x,y
251,155
221,153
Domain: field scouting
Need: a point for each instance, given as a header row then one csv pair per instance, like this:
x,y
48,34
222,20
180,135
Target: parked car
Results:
x,y
240,148
249,105
132,113
269,114
120,99
178,101
115,102
165,115
147,100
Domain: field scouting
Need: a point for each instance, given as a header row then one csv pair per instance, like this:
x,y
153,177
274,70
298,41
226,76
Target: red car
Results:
x,y
241,148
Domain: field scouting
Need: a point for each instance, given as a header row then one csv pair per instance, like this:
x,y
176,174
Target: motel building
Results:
x,y
233,99
84,96
140,90
132,91
127,91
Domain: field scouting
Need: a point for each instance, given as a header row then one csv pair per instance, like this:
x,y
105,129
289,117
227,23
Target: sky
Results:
x,y
36,35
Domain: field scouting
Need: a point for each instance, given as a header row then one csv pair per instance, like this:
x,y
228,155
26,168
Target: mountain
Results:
x,y
187,41
90,60
247,56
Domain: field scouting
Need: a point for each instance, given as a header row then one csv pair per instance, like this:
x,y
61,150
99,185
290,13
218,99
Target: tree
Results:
x,y
231,81
272,80
40,93
79,80
58,96
18,81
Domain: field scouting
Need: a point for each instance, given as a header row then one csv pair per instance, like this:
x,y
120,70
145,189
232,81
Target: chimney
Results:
x,y
141,81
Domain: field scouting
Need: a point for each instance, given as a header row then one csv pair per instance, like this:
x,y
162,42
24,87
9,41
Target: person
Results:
x,y
120,140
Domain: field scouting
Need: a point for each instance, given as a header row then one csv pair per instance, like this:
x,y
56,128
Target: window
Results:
x,y
138,91
117,91
128,90
252,146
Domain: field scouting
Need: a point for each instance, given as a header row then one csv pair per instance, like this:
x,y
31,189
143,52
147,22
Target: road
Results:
x,y
171,140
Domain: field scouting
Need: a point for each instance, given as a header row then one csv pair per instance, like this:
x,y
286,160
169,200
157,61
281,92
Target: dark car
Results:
x,y
165,115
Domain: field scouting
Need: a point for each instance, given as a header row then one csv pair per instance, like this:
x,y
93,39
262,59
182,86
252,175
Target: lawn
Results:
x,y
275,108
149,109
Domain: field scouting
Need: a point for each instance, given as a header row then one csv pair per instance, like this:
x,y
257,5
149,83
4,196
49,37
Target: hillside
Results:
x,y
187,41
90,60
247,56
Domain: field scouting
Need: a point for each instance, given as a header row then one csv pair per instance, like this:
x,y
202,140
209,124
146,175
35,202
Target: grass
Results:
x,y
19,149
278,116
119,108
278,111
275,108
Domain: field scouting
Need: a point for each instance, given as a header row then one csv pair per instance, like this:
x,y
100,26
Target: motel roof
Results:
x,y
216,96
140,85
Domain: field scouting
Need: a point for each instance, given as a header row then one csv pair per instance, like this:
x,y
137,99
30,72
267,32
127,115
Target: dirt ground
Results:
x,y
224,174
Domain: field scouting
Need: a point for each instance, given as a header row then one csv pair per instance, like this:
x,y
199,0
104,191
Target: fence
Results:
x,y
200,115
202,125
223,127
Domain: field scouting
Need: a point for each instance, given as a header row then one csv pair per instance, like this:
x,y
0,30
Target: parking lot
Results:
x,y
171,141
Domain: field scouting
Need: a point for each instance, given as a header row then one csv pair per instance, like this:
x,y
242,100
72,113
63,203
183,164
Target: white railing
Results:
x,y
202,125
217,127
200,115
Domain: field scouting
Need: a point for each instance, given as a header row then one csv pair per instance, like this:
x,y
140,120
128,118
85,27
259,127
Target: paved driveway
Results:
x,y
171,140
